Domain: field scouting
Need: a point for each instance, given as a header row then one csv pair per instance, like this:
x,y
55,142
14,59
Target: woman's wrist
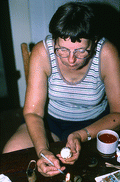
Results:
x,y
84,135
44,150
77,135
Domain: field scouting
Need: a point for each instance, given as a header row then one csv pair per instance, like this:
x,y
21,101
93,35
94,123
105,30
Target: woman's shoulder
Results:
x,y
39,54
109,50
109,58
42,46
39,48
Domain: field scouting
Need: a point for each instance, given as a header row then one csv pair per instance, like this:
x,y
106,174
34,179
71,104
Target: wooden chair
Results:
x,y
26,59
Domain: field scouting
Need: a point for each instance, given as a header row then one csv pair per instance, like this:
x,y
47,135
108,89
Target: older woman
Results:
x,y
80,73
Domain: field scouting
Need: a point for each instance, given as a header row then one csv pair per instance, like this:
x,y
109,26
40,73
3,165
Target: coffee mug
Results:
x,y
107,142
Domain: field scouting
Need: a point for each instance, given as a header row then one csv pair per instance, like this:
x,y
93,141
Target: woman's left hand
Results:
x,y
74,143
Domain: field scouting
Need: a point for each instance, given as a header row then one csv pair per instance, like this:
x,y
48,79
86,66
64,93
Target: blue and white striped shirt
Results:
x,y
81,101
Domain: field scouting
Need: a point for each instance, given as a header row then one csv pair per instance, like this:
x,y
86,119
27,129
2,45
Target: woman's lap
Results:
x,y
63,128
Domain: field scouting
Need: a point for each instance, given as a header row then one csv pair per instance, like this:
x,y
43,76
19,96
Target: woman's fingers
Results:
x,y
46,169
73,142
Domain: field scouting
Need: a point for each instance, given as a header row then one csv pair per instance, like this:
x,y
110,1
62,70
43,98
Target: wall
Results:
x,y
29,21
41,11
21,32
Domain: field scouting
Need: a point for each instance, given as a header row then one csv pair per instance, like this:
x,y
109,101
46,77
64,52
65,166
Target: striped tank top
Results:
x,y
76,102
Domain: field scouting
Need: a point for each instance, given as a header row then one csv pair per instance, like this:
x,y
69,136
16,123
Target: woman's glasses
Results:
x,y
78,53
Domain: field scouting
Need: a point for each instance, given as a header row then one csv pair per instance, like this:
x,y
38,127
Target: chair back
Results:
x,y
26,59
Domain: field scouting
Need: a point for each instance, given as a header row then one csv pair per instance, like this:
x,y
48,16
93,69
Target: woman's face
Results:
x,y
73,55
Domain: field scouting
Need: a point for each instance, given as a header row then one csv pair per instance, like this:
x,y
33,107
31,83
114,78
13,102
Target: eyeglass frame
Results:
x,y
73,52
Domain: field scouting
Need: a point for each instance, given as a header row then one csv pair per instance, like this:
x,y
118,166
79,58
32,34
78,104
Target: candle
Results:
x,y
76,178
67,177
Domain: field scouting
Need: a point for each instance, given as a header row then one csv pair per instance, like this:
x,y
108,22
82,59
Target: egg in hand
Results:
x,y
66,153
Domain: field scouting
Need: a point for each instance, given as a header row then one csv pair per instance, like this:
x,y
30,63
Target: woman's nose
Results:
x,y
71,58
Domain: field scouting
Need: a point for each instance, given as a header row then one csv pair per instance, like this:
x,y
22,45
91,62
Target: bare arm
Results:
x,y
36,94
35,101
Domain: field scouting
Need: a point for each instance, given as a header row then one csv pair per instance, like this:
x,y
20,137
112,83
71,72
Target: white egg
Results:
x,y
66,152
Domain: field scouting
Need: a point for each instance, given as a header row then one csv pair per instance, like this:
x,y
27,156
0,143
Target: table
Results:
x,y
14,164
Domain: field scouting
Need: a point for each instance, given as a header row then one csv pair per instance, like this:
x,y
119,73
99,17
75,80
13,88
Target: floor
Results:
x,y
10,120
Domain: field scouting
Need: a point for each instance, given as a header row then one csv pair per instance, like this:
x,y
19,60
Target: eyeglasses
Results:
x,y
78,53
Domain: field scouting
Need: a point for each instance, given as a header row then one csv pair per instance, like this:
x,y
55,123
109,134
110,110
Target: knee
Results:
x,y
12,145
20,140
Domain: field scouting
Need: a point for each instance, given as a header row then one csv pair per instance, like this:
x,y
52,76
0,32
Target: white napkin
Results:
x,y
4,178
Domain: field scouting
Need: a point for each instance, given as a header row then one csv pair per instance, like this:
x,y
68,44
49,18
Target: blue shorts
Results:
x,y
63,128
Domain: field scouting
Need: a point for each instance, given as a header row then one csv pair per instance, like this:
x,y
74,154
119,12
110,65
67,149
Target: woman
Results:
x,y
80,72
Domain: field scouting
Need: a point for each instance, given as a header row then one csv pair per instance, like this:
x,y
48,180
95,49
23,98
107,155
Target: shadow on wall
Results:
x,y
107,22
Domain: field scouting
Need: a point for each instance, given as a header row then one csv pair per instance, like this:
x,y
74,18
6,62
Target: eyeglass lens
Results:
x,y
64,53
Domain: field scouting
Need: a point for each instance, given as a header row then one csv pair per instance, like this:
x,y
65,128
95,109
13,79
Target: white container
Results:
x,y
107,149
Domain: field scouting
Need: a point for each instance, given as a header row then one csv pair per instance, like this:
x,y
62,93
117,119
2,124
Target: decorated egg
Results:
x,y
66,152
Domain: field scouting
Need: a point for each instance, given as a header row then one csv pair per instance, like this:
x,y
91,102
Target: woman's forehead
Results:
x,y
84,43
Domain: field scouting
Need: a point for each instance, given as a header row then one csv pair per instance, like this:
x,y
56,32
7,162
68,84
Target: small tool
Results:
x,y
50,162
111,165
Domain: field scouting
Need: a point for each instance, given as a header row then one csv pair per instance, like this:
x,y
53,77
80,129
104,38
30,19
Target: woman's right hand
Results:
x,y
45,168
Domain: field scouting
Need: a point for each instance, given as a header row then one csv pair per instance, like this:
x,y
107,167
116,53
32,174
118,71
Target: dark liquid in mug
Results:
x,y
107,138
